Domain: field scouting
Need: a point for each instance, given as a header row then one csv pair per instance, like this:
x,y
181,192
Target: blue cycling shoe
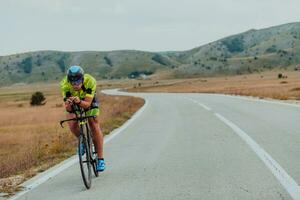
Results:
x,y
82,149
100,165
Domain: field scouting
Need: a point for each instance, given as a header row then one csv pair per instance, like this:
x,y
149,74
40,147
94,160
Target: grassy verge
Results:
x,y
263,85
32,139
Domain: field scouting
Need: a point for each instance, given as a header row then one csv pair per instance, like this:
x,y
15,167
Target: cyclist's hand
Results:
x,y
69,101
75,100
68,104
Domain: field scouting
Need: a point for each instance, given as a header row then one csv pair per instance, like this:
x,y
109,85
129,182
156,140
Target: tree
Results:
x,y
108,61
234,44
160,59
38,62
62,62
27,65
37,99
271,49
136,74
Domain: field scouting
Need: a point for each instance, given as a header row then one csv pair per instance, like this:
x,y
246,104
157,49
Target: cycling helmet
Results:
x,y
75,75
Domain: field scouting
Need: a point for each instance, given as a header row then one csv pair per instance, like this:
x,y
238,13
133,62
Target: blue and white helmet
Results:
x,y
75,74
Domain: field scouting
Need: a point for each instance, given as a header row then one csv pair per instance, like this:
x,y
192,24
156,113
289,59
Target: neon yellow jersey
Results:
x,y
88,88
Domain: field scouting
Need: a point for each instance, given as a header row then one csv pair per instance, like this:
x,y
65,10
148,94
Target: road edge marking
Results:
x,y
199,103
55,170
290,185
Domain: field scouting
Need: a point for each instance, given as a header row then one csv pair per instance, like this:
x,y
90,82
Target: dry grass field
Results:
x,y
31,139
263,85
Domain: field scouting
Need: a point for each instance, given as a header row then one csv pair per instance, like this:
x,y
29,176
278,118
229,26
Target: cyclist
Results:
x,y
80,88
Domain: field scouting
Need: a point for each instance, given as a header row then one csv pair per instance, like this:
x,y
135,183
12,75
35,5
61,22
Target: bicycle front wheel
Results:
x,y
84,161
93,160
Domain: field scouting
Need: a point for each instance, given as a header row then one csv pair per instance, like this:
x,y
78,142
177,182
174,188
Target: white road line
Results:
x,y
199,103
282,176
204,106
52,172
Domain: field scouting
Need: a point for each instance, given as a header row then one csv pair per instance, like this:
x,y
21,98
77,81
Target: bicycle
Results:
x,y
87,155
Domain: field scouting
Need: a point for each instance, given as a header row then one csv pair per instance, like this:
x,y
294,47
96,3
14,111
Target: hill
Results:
x,y
52,65
248,52
251,51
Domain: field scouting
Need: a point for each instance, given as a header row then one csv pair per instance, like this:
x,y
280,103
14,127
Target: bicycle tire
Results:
x,y
85,162
94,164
93,153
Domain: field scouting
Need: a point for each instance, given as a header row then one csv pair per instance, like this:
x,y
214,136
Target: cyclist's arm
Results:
x,y
90,93
65,92
86,102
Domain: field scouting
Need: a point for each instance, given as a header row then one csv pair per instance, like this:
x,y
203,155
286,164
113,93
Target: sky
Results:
x,y
152,25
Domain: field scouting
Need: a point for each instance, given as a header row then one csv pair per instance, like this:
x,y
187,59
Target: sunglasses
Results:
x,y
76,82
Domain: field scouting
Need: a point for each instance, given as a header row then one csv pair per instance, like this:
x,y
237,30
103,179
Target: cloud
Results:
x,y
119,9
133,24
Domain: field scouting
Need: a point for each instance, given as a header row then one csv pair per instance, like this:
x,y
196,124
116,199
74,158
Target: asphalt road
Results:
x,y
195,146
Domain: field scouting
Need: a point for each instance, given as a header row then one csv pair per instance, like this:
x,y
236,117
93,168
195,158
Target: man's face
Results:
x,y
77,85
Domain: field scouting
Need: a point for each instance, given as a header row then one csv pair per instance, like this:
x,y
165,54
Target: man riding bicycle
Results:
x,y
79,88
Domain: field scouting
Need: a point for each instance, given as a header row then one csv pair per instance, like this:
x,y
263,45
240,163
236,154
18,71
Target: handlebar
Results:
x,y
79,117
75,119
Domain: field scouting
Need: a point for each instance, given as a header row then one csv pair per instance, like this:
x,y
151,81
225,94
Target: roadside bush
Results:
x,y
37,99
281,76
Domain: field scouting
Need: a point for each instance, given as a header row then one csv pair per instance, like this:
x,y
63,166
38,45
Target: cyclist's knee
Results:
x,y
70,115
94,124
94,120
72,124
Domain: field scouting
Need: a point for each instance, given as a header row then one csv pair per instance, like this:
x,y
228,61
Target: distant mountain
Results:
x,y
251,51
52,65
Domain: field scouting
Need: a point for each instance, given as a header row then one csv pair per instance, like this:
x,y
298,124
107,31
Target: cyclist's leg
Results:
x,y
73,125
97,135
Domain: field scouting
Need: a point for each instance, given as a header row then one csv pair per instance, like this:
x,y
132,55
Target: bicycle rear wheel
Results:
x,y
85,161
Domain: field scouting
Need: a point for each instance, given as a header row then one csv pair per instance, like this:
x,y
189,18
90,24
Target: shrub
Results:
x,y
37,99
38,62
108,61
234,44
271,49
62,62
282,76
136,74
160,59
26,64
